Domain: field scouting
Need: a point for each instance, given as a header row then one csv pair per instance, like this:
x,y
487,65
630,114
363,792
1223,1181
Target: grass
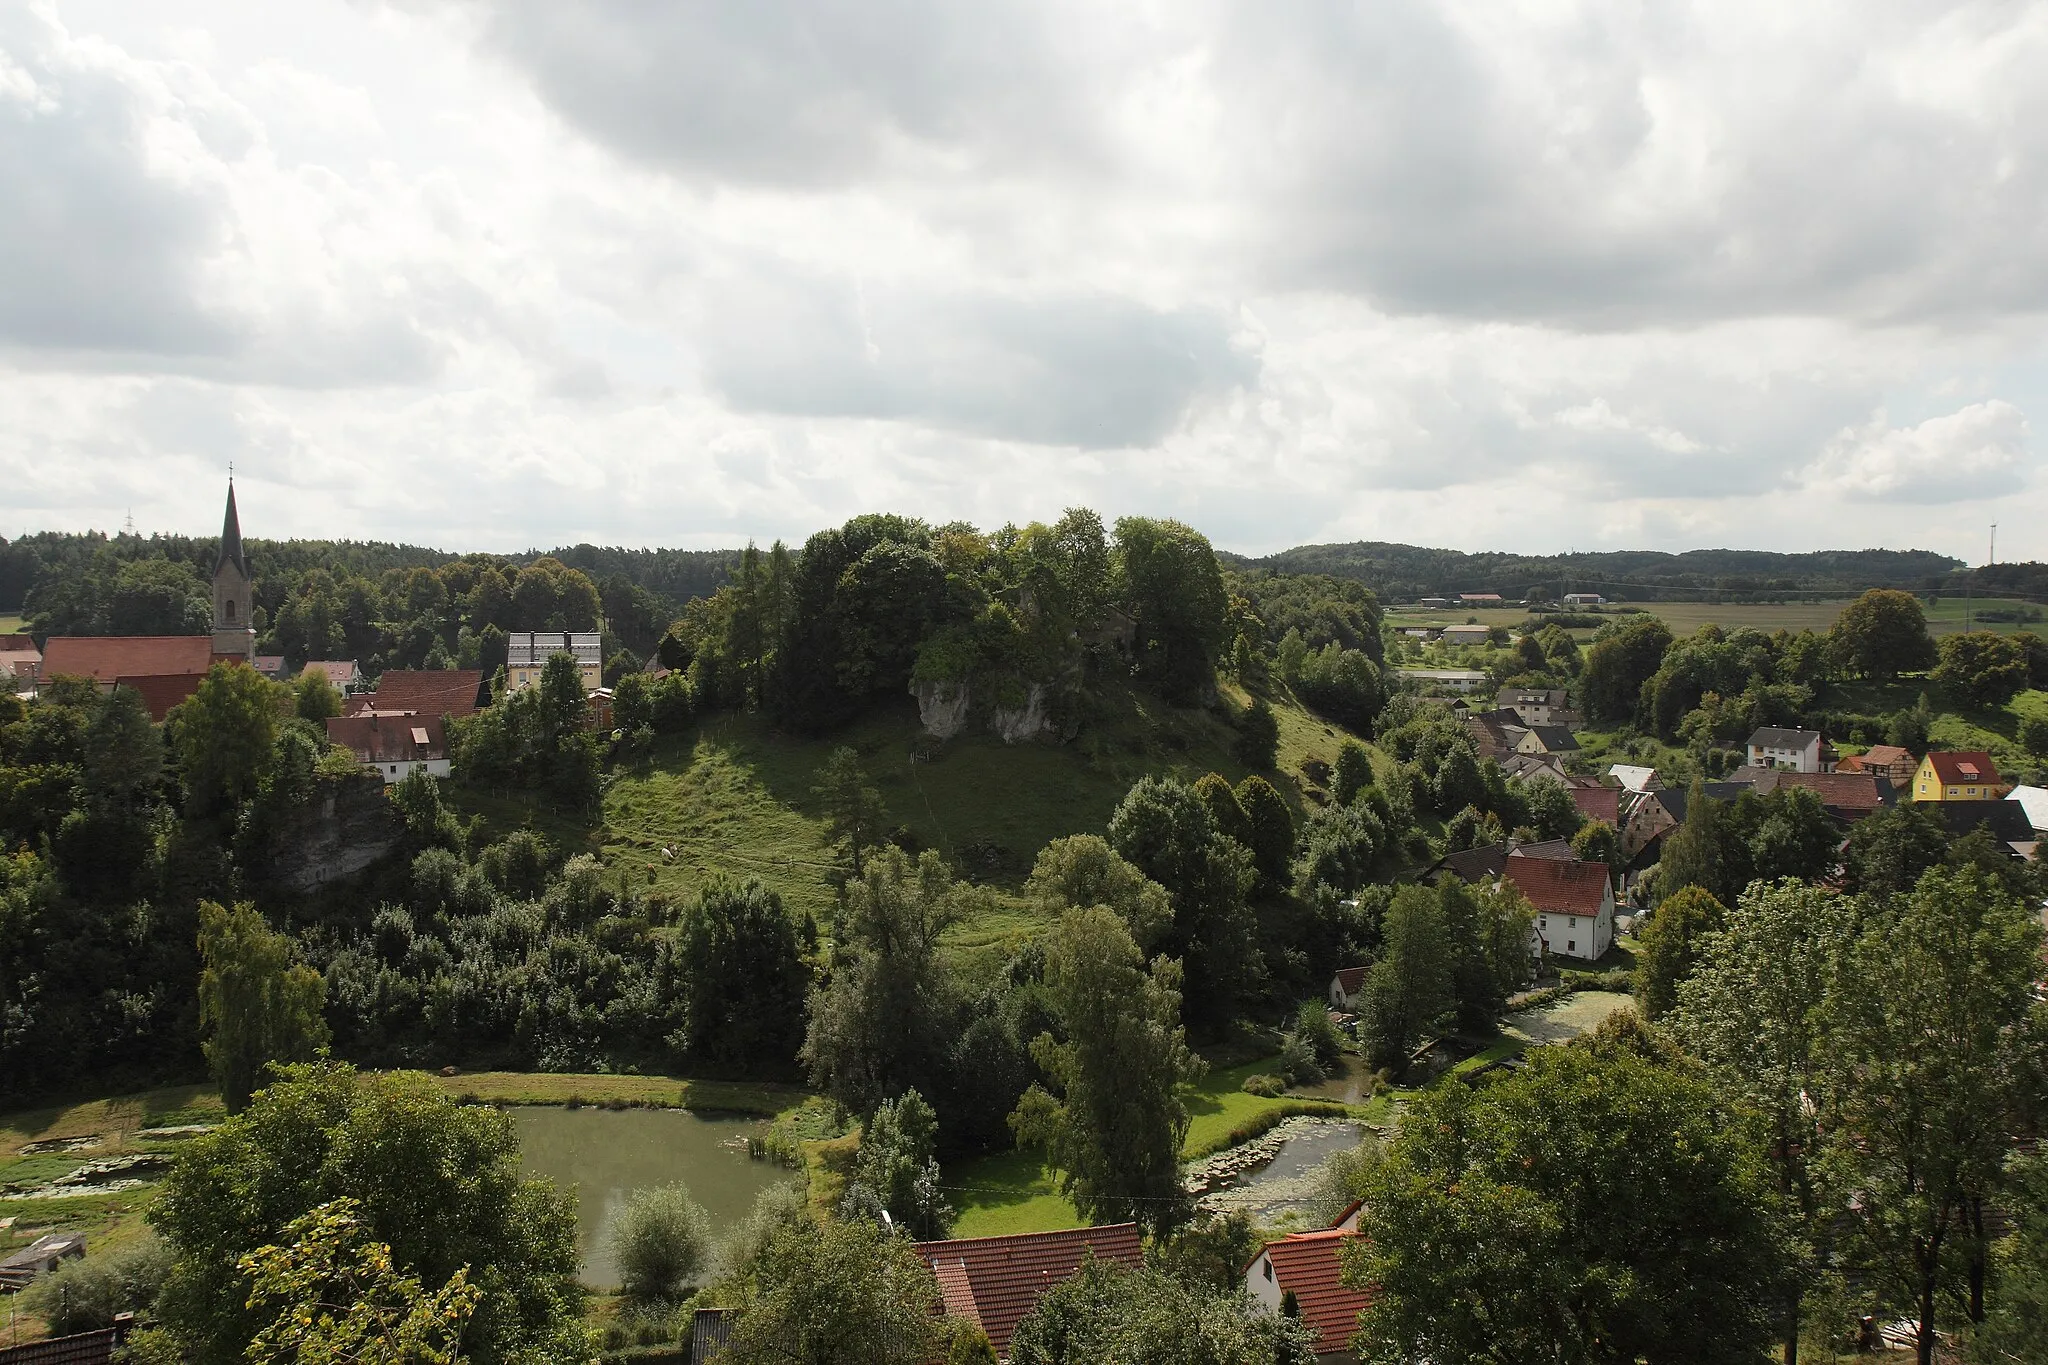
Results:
x,y
11,625
521,1087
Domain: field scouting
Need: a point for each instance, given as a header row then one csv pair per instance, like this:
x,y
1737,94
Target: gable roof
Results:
x,y
2034,801
1351,978
17,642
995,1281
1599,803
1556,739
161,691
1531,696
1950,769
1879,756
340,672
1309,1265
1848,796
1557,850
1471,864
389,739
104,658
428,692
1633,777
1778,737
1559,888
2005,821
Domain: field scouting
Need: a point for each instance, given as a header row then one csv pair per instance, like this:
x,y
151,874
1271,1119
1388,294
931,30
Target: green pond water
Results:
x,y
607,1154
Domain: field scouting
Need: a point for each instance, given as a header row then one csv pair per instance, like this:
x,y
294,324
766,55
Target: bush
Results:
x,y
1264,1086
661,1244
2034,736
84,1295
1313,1025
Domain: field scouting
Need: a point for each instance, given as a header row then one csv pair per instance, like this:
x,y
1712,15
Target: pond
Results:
x,y
1291,1184
607,1154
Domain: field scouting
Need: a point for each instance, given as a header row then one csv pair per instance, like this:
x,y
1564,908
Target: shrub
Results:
x,y
84,1295
2034,735
661,1244
1297,1061
1264,1086
1313,1025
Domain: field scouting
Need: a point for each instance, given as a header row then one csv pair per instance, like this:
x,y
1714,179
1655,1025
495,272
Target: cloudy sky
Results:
x,y
1535,276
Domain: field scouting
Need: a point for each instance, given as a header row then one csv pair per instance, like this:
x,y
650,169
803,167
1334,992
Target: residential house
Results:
x,y
20,661
994,1282
1308,1267
2034,801
2006,822
1599,803
396,747
106,659
1574,904
527,653
1634,778
1802,751
1456,680
1525,766
1847,796
1480,599
1882,760
1546,739
1496,734
1556,850
448,692
345,674
1468,865
1465,635
272,666
41,1257
1584,599
161,691
1345,988
1535,705
1957,777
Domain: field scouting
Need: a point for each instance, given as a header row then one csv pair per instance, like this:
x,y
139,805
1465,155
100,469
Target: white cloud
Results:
x,y
1529,275
1975,452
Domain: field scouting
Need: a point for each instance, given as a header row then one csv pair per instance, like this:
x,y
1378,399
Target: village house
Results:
x,y
2034,801
1345,987
1536,706
1546,739
1598,803
395,747
1882,760
1574,903
1456,680
160,692
1480,599
1584,599
345,674
994,1282
1465,635
527,654
1846,796
1433,603
1801,751
1634,778
1957,777
20,661
451,692
1527,766
1307,1267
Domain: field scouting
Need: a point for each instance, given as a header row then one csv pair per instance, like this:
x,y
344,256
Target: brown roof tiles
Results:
x,y
996,1281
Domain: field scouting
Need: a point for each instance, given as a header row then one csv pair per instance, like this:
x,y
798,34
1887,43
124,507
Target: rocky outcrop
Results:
x,y
943,707
348,824
1029,721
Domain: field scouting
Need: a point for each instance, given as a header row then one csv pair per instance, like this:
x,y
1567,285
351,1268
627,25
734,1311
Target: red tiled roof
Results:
x,y
1599,803
1351,978
1560,888
430,692
340,672
1971,769
17,641
389,739
1307,1264
1838,791
995,1281
161,691
104,658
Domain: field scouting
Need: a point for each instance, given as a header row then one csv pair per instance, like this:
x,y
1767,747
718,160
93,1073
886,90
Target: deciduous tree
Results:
x,y
1671,947
257,1006
1883,634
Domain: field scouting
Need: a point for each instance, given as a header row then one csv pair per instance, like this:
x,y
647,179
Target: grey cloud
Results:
x,y
784,92
1074,369
99,255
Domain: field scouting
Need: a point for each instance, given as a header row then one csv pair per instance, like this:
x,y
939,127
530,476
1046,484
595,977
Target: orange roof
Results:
x,y
995,1281
429,692
1560,888
1849,795
1958,769
1599,803
161,691
104,658
389,739
1308,1266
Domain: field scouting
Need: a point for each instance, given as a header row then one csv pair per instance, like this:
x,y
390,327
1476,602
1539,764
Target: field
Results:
x,y
734,798
1945,616
9,624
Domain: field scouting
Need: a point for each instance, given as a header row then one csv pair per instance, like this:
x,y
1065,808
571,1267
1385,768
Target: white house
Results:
x,y
1801,751
1574,905
1345,988
1584,599
1535,705
1309,1266
1460,680
527,653
393,746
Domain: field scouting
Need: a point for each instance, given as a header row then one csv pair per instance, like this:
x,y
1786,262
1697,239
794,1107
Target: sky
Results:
x,y
1538,276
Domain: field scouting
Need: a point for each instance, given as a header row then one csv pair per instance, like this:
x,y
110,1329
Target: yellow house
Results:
x,y
1957,777
527,653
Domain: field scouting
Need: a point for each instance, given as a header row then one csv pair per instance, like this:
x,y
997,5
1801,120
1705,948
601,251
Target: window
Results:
x,y
228,607
1572,946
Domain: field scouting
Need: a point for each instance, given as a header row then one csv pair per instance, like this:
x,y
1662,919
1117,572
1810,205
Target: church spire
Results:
x,y
231,539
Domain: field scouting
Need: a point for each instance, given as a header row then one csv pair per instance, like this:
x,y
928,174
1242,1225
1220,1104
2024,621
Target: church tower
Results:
x,y
234,596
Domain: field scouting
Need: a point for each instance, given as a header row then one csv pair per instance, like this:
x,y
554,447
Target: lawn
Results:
x,y
521,1087
10,625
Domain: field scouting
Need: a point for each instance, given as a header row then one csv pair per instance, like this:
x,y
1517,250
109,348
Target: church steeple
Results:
x,y
233,589
231,538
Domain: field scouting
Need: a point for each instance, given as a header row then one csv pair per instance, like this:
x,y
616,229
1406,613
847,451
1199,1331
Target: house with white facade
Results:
x,y
1345,988
1800,751
393,746
1574,903
1459,680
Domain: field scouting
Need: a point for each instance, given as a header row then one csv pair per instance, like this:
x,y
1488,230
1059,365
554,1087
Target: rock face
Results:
x,y
942,707
947,709
347,825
